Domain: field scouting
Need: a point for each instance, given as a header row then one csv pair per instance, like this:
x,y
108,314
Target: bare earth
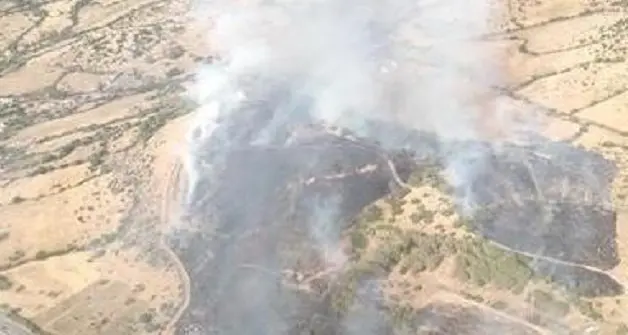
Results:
x,y
91,116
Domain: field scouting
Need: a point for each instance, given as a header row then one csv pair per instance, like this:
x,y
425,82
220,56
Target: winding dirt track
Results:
x,y
170,204
557,261
445,296
401,183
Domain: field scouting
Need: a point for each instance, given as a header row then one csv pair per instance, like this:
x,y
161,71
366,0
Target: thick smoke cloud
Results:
x,y
415,63
412,63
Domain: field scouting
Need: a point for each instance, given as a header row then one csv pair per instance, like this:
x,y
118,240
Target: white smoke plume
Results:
x,y
414,63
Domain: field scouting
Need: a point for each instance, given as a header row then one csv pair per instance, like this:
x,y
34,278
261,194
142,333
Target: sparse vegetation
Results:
x,y
146,317
97,159
426,252
373,213
500,305
44,254
415,218
17,199
150,126
14,313
5,283
93,52
428,174
474,297
414,252
17,255
344,290
42,169
483,264
175,71
402,315
547,303
587,309
422,215
68,148
358,240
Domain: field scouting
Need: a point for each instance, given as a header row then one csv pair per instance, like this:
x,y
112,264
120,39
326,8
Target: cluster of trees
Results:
x,y
546,302
414,252
482,264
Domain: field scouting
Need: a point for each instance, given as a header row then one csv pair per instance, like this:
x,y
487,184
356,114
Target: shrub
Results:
x,y
150,126
17,199
586,308
482,264
17,255
499,305
5,283
388,256
425,252
146,317
373,213
415,218
358,240
545,302
397,208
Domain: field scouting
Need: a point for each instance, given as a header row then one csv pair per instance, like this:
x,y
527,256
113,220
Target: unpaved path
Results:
x,y
169,207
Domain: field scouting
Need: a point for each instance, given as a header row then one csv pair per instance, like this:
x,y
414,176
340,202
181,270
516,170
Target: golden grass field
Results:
x,y
91,118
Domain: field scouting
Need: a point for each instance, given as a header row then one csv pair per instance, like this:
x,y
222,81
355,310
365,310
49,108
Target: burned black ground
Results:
x,y
273,200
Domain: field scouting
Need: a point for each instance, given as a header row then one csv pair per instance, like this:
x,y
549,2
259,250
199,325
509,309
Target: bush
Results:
x,y
150,126
415,218
397,208
358,240
373,213
500,305
546,303
17,199
482,264
343,292
5,283
425,252
68,148
96,159
474,297
422,215
586,308
146,317
17,255
388,256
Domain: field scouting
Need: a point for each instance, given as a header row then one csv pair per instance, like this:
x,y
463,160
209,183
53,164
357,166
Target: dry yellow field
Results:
x,y
91,116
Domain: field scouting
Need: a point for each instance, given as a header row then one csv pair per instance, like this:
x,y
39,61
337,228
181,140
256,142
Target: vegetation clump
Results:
x,y
428,174
4,235
358,240
481,264
373,213
5,283
586,308
547,303
414,252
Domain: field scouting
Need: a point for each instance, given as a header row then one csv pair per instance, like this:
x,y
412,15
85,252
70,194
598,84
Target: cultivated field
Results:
x,y
92,117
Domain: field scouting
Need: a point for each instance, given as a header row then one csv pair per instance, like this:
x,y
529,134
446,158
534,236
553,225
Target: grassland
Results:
x,y
90,112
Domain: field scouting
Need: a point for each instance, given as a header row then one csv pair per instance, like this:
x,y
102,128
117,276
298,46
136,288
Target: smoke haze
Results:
x,y
420,64
417,64
349,61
